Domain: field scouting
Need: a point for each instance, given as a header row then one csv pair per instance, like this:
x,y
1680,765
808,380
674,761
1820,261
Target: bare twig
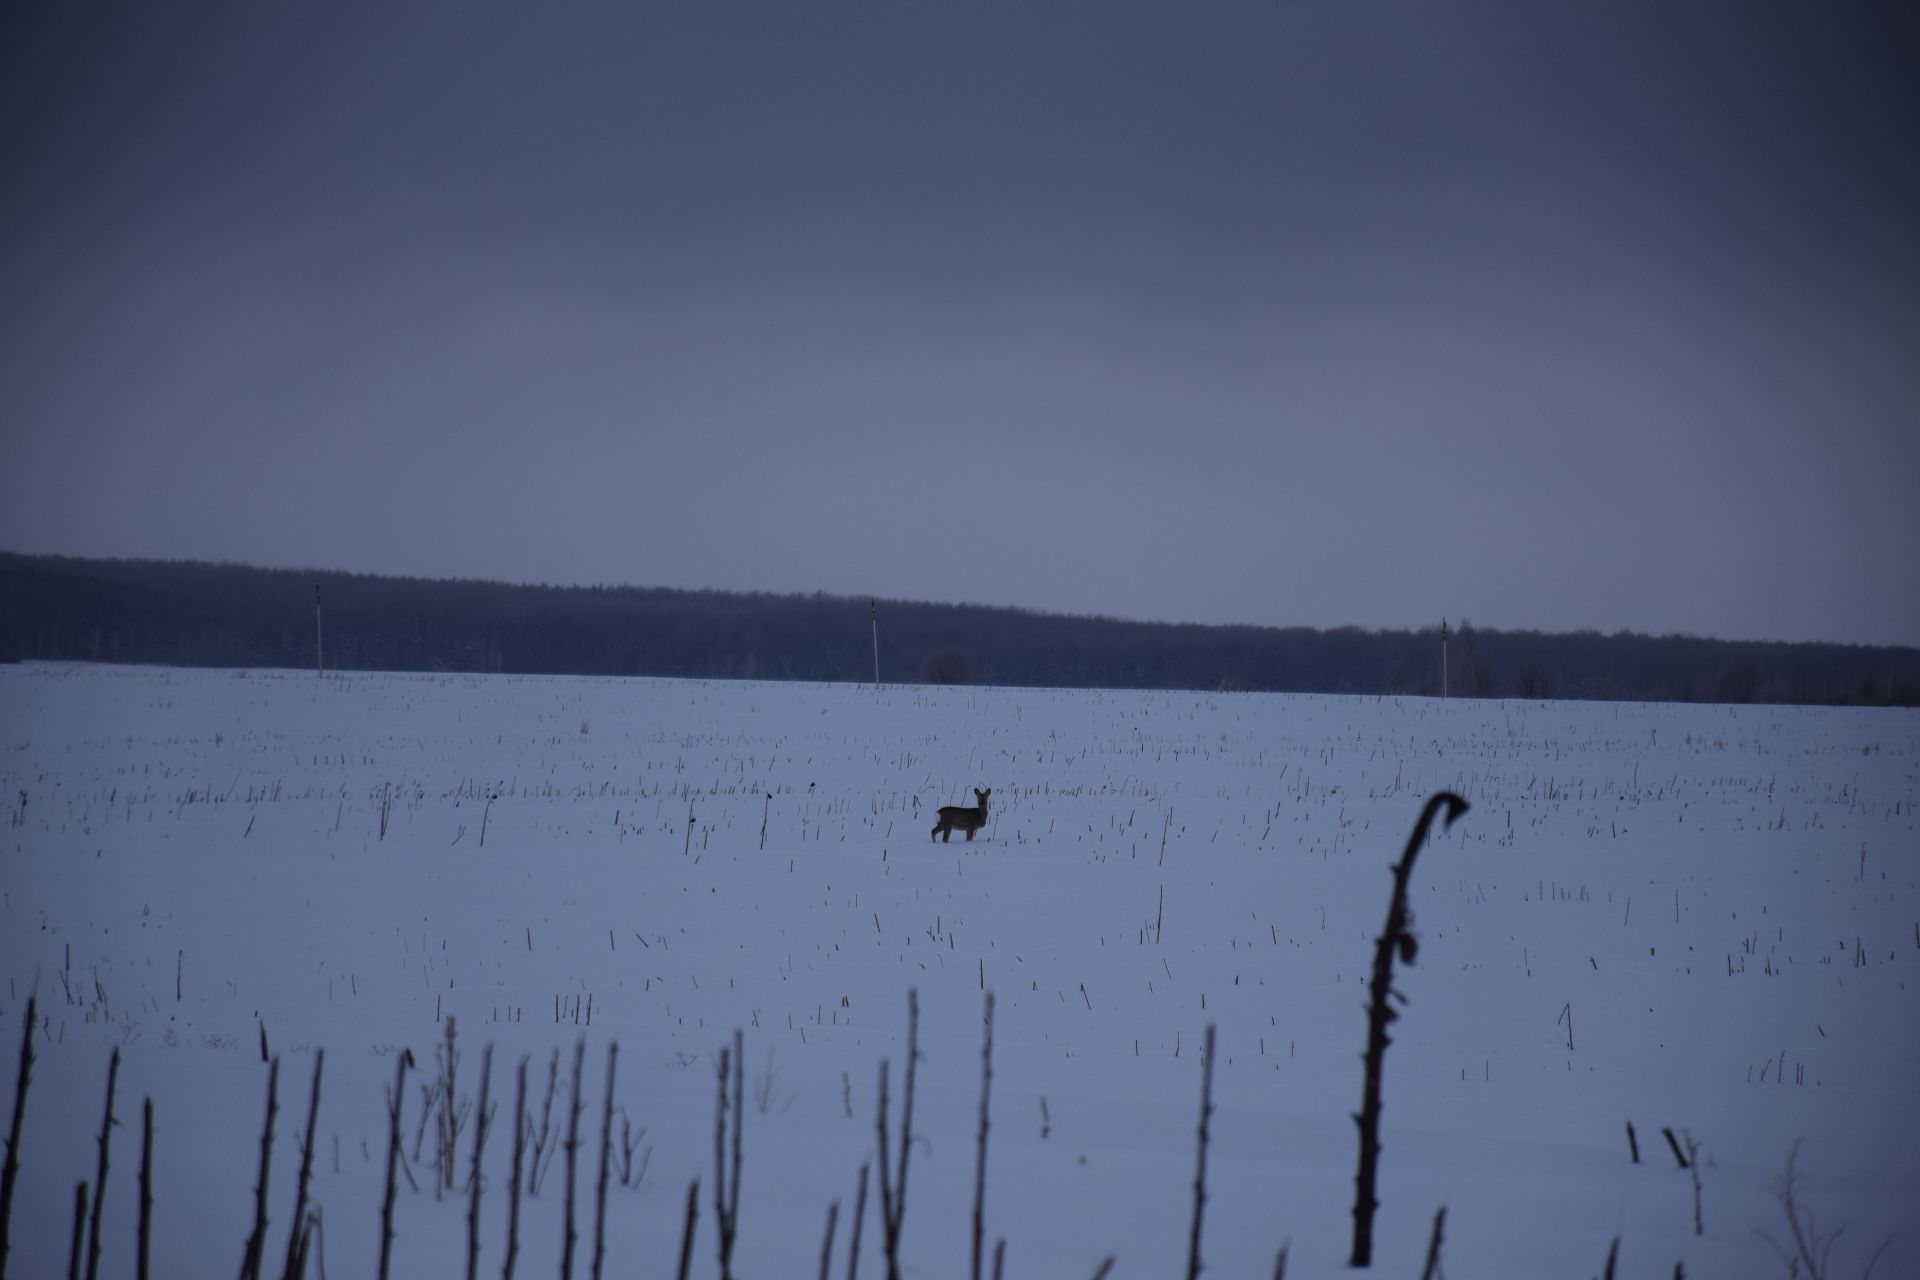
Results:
x,y
826,1246
885,1155
686,1236
482,1126
1673,1144
394,1101
305,1235
451,1117
980,1161
542,1154
513,1185
142,1267
79,1247
1812,1248
296,1239
100,1180
606,1144
726,1177
1693,1171
1200,1168
1432,1269
859,1215
893,1189
10,1172
739,1119
627,1173
1395,939
573,1146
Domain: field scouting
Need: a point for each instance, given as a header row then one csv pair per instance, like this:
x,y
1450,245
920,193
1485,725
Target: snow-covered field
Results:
x,y
1702,918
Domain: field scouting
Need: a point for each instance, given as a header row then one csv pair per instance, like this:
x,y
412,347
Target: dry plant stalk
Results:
x,y
1812,1249
1693,1171
893,1190
726,1177
141,1264
980,1161
606,1144
394,1101
78,1249
1200,1169
297,1238
513,1185
451,1116
686,1236
542,1154
1395,939
482,1126
1432,1270
100,1180
859,1216
573,1147
257,1241
826,1247
10,1172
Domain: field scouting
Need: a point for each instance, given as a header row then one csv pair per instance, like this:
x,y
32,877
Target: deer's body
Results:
x,y
955,817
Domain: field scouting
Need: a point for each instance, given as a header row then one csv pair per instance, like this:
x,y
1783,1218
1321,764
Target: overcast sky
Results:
x,y
1550,315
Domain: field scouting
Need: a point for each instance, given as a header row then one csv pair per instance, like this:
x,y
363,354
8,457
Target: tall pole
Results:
x,y
1443,657
873,616
319,661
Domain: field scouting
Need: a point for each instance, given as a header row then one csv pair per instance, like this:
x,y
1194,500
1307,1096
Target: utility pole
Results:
x,y
1443,658
873,616
319,661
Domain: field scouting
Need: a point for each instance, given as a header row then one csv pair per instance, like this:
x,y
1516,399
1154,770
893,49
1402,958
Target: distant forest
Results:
x,y
222,615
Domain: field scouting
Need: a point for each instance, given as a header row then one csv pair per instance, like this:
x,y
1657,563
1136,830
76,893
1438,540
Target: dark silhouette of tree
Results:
x,y
1735,683
221,615
948,666
1470,672
1533,681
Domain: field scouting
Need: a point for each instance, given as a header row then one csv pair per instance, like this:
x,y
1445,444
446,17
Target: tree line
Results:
x,y
194,614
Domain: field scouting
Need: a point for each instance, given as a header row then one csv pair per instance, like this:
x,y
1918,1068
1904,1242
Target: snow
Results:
x,y
1153,863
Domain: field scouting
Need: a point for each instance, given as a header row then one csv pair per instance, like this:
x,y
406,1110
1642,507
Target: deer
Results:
x,y
955,817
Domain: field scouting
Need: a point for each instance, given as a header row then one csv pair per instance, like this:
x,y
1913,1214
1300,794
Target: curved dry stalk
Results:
x,y
1396,939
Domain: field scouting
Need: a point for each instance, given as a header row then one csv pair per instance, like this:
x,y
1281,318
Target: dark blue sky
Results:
x,y
1551,315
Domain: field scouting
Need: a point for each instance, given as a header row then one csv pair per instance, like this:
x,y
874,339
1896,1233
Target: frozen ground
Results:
x,y
1701,918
